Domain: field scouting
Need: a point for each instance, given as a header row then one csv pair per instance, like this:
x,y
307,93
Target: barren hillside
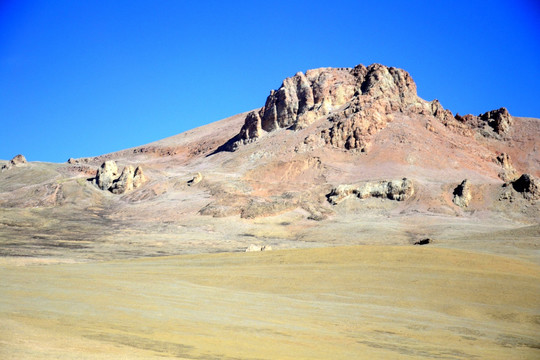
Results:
x,y
416,234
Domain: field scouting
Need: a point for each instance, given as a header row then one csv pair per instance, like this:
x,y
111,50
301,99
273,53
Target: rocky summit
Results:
x,y
316,202
357,103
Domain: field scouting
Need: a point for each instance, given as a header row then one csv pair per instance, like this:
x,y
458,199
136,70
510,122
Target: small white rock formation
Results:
x,y
18,160
462,194
253,247
394,190
196,179
107,178
106,174
138,177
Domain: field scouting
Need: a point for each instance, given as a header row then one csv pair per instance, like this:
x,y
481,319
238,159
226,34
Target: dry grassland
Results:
x,y
362,302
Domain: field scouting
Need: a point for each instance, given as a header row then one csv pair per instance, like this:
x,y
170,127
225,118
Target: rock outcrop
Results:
x,y
527,185
394,190
494,123
462,194
508,173
138,177
254,248
106,174
107,178
18,160
499,120
125,182
197,178
357,103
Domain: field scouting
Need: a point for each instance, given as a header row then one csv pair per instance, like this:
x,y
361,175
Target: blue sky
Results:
x,y
84,78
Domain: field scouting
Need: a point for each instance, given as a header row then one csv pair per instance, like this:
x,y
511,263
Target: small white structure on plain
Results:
x,y
253,247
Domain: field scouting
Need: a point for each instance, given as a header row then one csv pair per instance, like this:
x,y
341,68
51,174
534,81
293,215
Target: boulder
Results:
x,y
106,175
528,186
197,178
253,247
125,182
425,241
462,194
18,160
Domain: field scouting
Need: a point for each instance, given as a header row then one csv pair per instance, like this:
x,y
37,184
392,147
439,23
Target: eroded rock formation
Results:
x,y
527,185
508,173
462,194
394,190
106,174
499,120
138,177
107,178
494,123
18,160
125,182
197,178
357,103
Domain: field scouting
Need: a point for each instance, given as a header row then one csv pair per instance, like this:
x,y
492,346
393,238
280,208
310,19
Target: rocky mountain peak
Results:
x,y
356,101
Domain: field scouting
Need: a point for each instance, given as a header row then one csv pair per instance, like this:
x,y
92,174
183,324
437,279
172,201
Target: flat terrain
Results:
x,y
359,302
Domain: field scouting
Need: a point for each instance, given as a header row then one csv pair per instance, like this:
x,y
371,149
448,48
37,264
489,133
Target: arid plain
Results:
x,y
141,253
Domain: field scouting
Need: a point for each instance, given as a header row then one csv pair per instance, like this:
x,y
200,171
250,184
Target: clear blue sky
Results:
x,y
84,78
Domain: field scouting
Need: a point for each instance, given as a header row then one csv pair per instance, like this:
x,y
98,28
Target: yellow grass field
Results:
x,y
361,302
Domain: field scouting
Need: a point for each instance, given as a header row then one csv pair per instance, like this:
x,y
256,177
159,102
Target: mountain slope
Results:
x,y
267,175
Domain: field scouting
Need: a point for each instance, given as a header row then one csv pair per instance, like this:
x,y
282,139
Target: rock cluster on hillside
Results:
x,y
107,178
18,160
357,103
394,190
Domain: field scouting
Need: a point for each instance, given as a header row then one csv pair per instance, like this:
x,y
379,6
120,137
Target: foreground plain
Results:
x,y
372,302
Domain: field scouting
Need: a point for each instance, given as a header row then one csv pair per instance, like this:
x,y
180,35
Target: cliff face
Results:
x,y
357,103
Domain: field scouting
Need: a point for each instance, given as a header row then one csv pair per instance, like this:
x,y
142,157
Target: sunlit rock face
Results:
x,y
357,103
107,178
18,160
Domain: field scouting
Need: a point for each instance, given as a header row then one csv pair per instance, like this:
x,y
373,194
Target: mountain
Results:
x,y
415,234
336,156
